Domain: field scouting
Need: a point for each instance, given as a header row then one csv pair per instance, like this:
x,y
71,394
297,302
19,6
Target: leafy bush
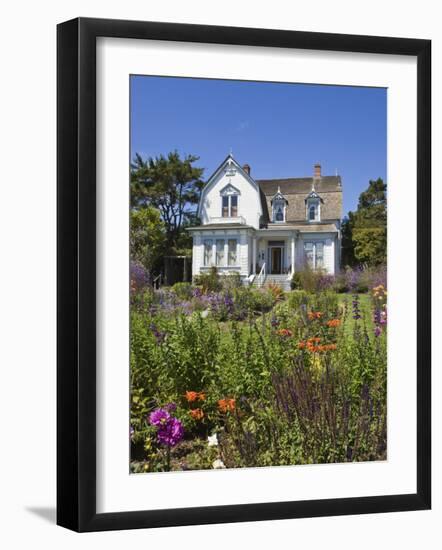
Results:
x,y
210,281
183,290
311,280
296,381
297,298
230,281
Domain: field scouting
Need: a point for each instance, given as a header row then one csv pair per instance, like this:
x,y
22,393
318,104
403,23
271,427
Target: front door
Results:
x,y
276,260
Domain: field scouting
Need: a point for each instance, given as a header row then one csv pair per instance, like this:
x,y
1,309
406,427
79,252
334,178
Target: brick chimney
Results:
x,y
246,169
317,172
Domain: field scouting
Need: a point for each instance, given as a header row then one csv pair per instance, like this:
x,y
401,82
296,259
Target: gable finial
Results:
x,y
231,152
279,189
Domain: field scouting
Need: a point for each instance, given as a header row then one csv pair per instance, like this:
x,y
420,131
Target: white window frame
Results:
x,y
317,204
276,204
230,192
209,263
314,245
223,250
236,251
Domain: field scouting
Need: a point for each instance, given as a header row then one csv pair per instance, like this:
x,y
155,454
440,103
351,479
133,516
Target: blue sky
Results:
x,y
281,130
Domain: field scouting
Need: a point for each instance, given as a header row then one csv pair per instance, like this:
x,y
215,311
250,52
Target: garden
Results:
x,y
228,376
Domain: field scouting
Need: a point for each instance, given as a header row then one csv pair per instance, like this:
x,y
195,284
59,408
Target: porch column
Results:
x,y
293,254
254,255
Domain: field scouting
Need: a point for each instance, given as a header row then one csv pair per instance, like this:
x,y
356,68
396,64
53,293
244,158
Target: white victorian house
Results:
x,y
267,229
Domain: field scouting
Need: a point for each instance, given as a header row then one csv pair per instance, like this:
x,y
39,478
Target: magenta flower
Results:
x,y
170,429
159,417
171,433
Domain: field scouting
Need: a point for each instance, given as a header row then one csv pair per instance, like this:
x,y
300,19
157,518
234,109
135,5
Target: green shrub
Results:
x,y
312,280
297,298
231,281
183,290
209,282
262,300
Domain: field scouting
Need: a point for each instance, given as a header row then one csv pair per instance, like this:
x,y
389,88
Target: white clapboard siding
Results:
x,y
248,199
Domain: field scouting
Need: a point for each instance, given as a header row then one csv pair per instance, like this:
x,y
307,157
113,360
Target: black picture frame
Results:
x,y
77,286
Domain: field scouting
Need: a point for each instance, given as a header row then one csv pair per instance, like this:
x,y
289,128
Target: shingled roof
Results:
x,y
290,186
296,190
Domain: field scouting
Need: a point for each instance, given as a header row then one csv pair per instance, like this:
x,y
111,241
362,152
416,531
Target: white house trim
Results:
x,y
262,243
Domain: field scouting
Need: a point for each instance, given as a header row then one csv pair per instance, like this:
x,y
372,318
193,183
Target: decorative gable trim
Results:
x,y
229,189
278,196
313,195
231,167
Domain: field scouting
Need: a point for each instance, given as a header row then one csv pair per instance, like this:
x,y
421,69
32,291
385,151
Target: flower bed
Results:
x,y
242,377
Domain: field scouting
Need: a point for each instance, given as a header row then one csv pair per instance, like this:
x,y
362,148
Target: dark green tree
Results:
x,y
347,245
364,232
172,185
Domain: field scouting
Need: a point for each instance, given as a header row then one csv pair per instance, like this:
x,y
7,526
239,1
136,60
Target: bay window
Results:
x,y
220,252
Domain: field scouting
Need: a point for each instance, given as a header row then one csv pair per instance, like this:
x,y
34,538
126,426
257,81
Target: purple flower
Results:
x,y
139,275
197,292
274,322
170,429
377,331
325,282
159,335
356,310
377,316
159,417
171,433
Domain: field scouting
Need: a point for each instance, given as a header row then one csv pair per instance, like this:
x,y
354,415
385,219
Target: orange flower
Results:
x,y
202,396
191,396
284,332
314,315
196,414
301,345
226,405
333,323
313,346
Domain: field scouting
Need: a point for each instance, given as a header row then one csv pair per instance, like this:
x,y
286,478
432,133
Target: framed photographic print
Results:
x,y
243,274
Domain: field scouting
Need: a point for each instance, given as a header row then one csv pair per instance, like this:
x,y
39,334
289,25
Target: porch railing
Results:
x,y
156,282
262,275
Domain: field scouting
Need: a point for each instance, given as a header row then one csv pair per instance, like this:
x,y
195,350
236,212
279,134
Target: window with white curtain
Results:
x,y
229,206
208,251
231,246
220,251
314,254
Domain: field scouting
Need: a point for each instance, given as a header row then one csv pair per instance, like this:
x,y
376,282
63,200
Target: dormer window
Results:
x,y
313,207
279,207
229,202
279,213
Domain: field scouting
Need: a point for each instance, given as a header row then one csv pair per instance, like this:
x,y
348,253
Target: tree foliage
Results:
x,y
364,232
147,237
172,185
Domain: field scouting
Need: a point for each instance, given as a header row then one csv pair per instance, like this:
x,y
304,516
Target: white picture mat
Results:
x,y
116,489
